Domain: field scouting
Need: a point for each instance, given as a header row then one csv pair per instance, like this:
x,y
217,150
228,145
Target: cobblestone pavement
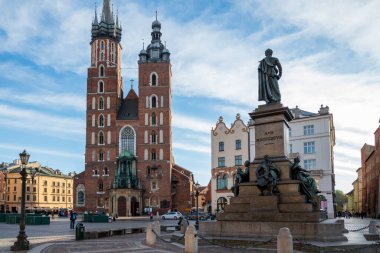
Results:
x,y
57,237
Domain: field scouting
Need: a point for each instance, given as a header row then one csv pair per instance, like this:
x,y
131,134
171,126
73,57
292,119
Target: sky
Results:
x,y
329,51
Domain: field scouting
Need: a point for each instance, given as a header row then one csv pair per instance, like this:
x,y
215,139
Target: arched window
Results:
x,y
93,105
100,186
106,171
80,197
102,50
101,155
154,80
154,137
154,102
101,103
101,120
100,87
154,119
221,203
102,56
102,45
112,52
101,138
95,172
154,156
127,137
101,71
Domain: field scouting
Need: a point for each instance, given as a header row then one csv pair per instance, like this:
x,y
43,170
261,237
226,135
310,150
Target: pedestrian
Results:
x,y
151,216
73,217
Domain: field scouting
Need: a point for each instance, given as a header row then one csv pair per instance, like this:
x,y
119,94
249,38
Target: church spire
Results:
x,y
106,27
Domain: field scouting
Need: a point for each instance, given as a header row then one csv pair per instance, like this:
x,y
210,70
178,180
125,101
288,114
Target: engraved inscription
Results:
x,y
269,137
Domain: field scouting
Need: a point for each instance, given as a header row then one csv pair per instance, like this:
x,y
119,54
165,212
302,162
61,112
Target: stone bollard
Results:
x,y
150,236
191,240
157,216
373,229
157,227
284,241
341,223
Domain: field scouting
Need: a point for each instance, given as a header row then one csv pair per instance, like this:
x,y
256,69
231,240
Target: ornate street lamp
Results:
x,y
196,186
22,243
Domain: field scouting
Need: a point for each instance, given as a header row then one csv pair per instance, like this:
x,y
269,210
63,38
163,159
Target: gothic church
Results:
x,y
129,164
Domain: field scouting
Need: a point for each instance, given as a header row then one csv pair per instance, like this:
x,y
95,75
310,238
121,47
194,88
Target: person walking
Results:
x,y
73,217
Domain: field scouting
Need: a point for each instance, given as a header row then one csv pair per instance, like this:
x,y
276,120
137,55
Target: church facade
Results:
x,y
129,164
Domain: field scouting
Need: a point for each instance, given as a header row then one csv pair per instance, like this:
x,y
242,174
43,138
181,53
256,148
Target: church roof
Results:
x,y
129,108
107,27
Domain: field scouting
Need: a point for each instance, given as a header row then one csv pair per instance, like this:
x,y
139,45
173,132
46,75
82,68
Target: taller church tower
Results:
x,y
155,133
104,96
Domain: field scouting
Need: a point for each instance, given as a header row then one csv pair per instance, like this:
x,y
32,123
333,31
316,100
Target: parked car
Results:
x,y
171,215
202,216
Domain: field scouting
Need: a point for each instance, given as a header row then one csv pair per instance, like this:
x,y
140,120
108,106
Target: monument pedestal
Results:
x,y
254,214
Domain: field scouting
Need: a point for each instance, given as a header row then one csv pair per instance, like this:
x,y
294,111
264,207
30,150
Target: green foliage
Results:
x,y
340,198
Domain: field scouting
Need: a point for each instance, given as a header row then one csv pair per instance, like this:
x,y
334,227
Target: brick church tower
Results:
x,y
129,166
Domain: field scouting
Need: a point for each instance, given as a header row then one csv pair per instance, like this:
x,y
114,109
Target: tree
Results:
x,y
340,199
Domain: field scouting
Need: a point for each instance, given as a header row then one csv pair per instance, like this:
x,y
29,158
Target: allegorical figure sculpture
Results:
x,y
241,177
267,175
270,71
308,184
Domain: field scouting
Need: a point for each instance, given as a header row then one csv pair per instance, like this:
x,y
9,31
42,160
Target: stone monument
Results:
x,y
277,194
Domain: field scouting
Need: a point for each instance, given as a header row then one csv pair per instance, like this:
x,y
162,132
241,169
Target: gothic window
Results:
x,y
95,172
154,120
101,71
108,119
127,136
161,136
93,120
101,120
101,138
106,171
154,137
112,52
154,79
102,50
100,185
101,103
100,87
101,156
108,137
102,56
154,102
93,138
221,182
80,198
154,157
221,203
102,45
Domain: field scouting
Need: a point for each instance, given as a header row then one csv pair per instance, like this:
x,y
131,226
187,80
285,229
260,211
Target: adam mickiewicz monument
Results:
x,y
273,192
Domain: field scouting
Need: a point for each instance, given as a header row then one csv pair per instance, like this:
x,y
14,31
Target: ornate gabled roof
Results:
x,y
129,108
107,26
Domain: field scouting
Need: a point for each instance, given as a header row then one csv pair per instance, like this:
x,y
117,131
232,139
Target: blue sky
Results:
x,y
329,51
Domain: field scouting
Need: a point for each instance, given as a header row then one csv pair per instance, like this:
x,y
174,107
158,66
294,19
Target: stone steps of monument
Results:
x,y
294,198
270,216
295,207
237,208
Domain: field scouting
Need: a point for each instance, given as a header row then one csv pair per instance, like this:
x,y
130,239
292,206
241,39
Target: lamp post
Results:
x,y
5,173
22,243
196,186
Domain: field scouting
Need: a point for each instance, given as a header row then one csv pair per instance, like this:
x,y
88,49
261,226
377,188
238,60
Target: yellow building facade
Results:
x,y
48,190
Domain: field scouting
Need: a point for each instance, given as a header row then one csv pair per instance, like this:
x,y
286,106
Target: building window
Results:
x,y
238,160
310,164
101,158
154,156
95,172
45,183
80,198
128,140
106,172
221,162
290,132
27,198
308,130
154,102
238,144
100,186
45,198
154,119
100,87
27,188
45,190
154,80
290,148
154,137
101,103
221,203
221,146
101,71
309,147
101,138
221,182
101,120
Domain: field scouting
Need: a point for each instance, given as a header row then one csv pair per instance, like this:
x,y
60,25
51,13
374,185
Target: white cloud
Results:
x,y
187,122
191,147
41,123
38,150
